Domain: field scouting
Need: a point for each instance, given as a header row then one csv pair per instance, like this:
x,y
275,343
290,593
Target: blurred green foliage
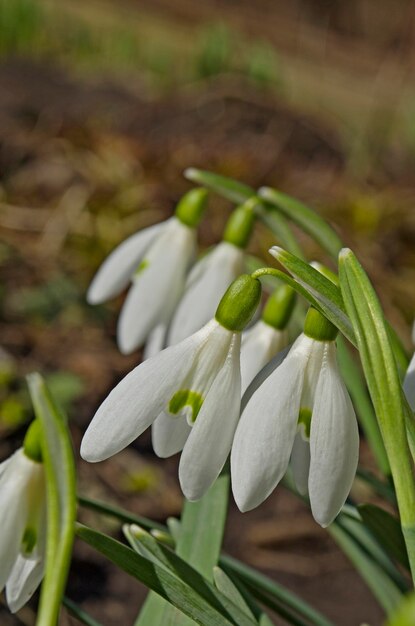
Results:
x,y
50,31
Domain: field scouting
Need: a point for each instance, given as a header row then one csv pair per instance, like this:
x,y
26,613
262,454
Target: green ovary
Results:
x,y
29,540
304,418
186,398
141,267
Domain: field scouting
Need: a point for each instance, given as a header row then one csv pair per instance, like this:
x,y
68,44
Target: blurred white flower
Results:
x,y
302,409
22,523
156,261
206,284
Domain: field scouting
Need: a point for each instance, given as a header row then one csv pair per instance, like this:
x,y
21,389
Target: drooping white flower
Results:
x,y
191,392
212,275
207,282
268,336
301,410
22,523
259,344
156,261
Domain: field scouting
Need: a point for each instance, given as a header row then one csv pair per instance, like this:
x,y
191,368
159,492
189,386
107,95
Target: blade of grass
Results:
x,y
61,499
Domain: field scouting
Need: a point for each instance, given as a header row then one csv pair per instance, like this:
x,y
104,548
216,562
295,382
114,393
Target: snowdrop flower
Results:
x,y
263,340
302,409
409,380
212,275
156,261
22,522
190,391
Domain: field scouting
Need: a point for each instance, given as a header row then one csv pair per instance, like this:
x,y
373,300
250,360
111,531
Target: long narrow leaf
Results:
x,y
307,219
81,615
321,289
203,606
365,413
263,587
226,187
113,511
61,499
384,385
387,530
387,594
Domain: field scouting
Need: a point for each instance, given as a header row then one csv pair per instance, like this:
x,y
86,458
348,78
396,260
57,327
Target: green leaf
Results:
x,y
384,385
198,600
121,514
383,489
279,227
202,527
228,588
386,528
384,590
405,614
350,520
228,188
358,392
61,499
324,294
304,217
273,595
200,538
81,615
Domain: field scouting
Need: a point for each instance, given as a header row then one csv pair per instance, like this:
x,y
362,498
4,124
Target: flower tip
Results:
x,y
263,192
276,251
190,173
89,452
124,342
93,296
344,252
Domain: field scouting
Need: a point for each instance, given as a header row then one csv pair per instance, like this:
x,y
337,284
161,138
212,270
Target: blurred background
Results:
x,y
103,104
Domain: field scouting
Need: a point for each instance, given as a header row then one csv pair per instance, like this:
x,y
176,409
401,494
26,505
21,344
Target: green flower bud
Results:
x,y
317,327
32,444
239,226
190,208
239,303
279,307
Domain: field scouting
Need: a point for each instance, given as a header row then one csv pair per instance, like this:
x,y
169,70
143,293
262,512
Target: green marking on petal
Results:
x,y
183,398
29,540
304,418
141,267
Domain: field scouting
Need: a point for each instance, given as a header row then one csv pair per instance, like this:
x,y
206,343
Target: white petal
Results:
x,y
300,463
266,431
409,384
139,398
116,271
169,434
334,443
200,300
23,581
155,341
263,375
14,508
210,440
259,345
157,288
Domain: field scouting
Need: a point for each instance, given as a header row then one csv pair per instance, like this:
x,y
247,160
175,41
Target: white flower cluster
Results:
x,y
190,392
22,522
